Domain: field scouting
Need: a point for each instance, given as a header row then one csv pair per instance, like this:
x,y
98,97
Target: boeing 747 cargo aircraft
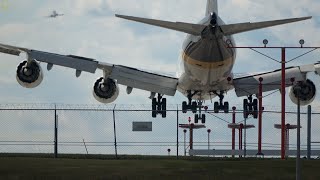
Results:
x,y
207,63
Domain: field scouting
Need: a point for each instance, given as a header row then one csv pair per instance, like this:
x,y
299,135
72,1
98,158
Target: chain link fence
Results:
x,y
107,129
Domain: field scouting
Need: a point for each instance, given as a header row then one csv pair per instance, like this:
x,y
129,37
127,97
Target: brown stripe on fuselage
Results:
x,y
206,65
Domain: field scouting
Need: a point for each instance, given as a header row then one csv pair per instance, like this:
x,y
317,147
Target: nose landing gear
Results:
x,y
200,116
195,107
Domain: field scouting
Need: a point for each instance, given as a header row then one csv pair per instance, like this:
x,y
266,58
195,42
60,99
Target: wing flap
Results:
x,y
194,29
243,27
144,80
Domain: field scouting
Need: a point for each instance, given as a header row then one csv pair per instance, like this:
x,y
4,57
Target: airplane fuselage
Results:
x,y
207,62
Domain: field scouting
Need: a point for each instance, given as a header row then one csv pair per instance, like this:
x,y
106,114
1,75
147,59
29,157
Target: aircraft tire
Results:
x,y
216,107
164,107
226,107
203,119
184,107
196,118
154,107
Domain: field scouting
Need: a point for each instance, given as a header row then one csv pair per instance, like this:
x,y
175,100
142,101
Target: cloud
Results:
x,y
90,29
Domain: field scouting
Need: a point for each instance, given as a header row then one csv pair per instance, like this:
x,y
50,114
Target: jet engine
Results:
x,y
307,92
29,75
105,91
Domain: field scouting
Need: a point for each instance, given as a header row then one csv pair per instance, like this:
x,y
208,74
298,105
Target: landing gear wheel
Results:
x,y
203,119
194,107
196,118
154,107
245,108
255,108
216,107
159,106
226,107
164,107
184,107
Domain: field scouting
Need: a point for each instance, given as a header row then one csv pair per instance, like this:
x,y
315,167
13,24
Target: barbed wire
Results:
x,y
128,107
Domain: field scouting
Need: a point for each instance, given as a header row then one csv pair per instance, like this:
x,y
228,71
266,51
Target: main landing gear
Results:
x,y
193,106
159,106
220,105
250,106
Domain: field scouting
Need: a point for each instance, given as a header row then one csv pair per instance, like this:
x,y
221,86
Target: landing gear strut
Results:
x,y
220,105
250,106
193,106
159,106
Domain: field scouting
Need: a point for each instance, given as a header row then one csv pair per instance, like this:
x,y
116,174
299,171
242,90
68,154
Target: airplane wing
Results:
x,y
131,77
248,85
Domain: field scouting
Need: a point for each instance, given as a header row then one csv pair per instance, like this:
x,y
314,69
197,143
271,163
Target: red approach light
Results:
x,y
185,131
260,79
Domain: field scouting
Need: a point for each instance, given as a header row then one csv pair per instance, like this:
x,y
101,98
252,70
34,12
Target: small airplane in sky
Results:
x,y
206,68
54,14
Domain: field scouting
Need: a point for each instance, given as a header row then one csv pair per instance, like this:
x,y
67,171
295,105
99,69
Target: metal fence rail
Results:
x,y
102,129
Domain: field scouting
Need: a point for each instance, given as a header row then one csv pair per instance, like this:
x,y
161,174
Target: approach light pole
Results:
x,y
298,163
283,78
184,142
191,127
209,131
260,118
233,130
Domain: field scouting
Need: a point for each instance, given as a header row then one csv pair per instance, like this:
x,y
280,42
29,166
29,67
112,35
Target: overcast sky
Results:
x,y
90,29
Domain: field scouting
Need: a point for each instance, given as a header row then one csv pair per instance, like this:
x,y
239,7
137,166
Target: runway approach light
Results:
x,y
265,42
301,42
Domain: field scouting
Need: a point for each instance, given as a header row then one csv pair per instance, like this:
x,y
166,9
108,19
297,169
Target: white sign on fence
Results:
x,y
141,126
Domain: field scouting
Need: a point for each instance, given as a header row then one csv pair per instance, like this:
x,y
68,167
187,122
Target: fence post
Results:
x,y
114,132
55,132
177,132
298,162
309,134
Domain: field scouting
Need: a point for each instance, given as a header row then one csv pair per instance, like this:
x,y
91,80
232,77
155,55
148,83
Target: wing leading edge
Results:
x,y
131,77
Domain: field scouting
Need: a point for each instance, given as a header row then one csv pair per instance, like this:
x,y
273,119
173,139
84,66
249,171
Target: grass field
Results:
x,y
158,168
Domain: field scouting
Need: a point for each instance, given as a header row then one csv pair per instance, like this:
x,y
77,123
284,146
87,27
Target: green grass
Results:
x,y
154,168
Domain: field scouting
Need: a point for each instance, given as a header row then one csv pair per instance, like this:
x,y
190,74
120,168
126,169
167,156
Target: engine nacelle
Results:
x,y
29,75
105,91
307,93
